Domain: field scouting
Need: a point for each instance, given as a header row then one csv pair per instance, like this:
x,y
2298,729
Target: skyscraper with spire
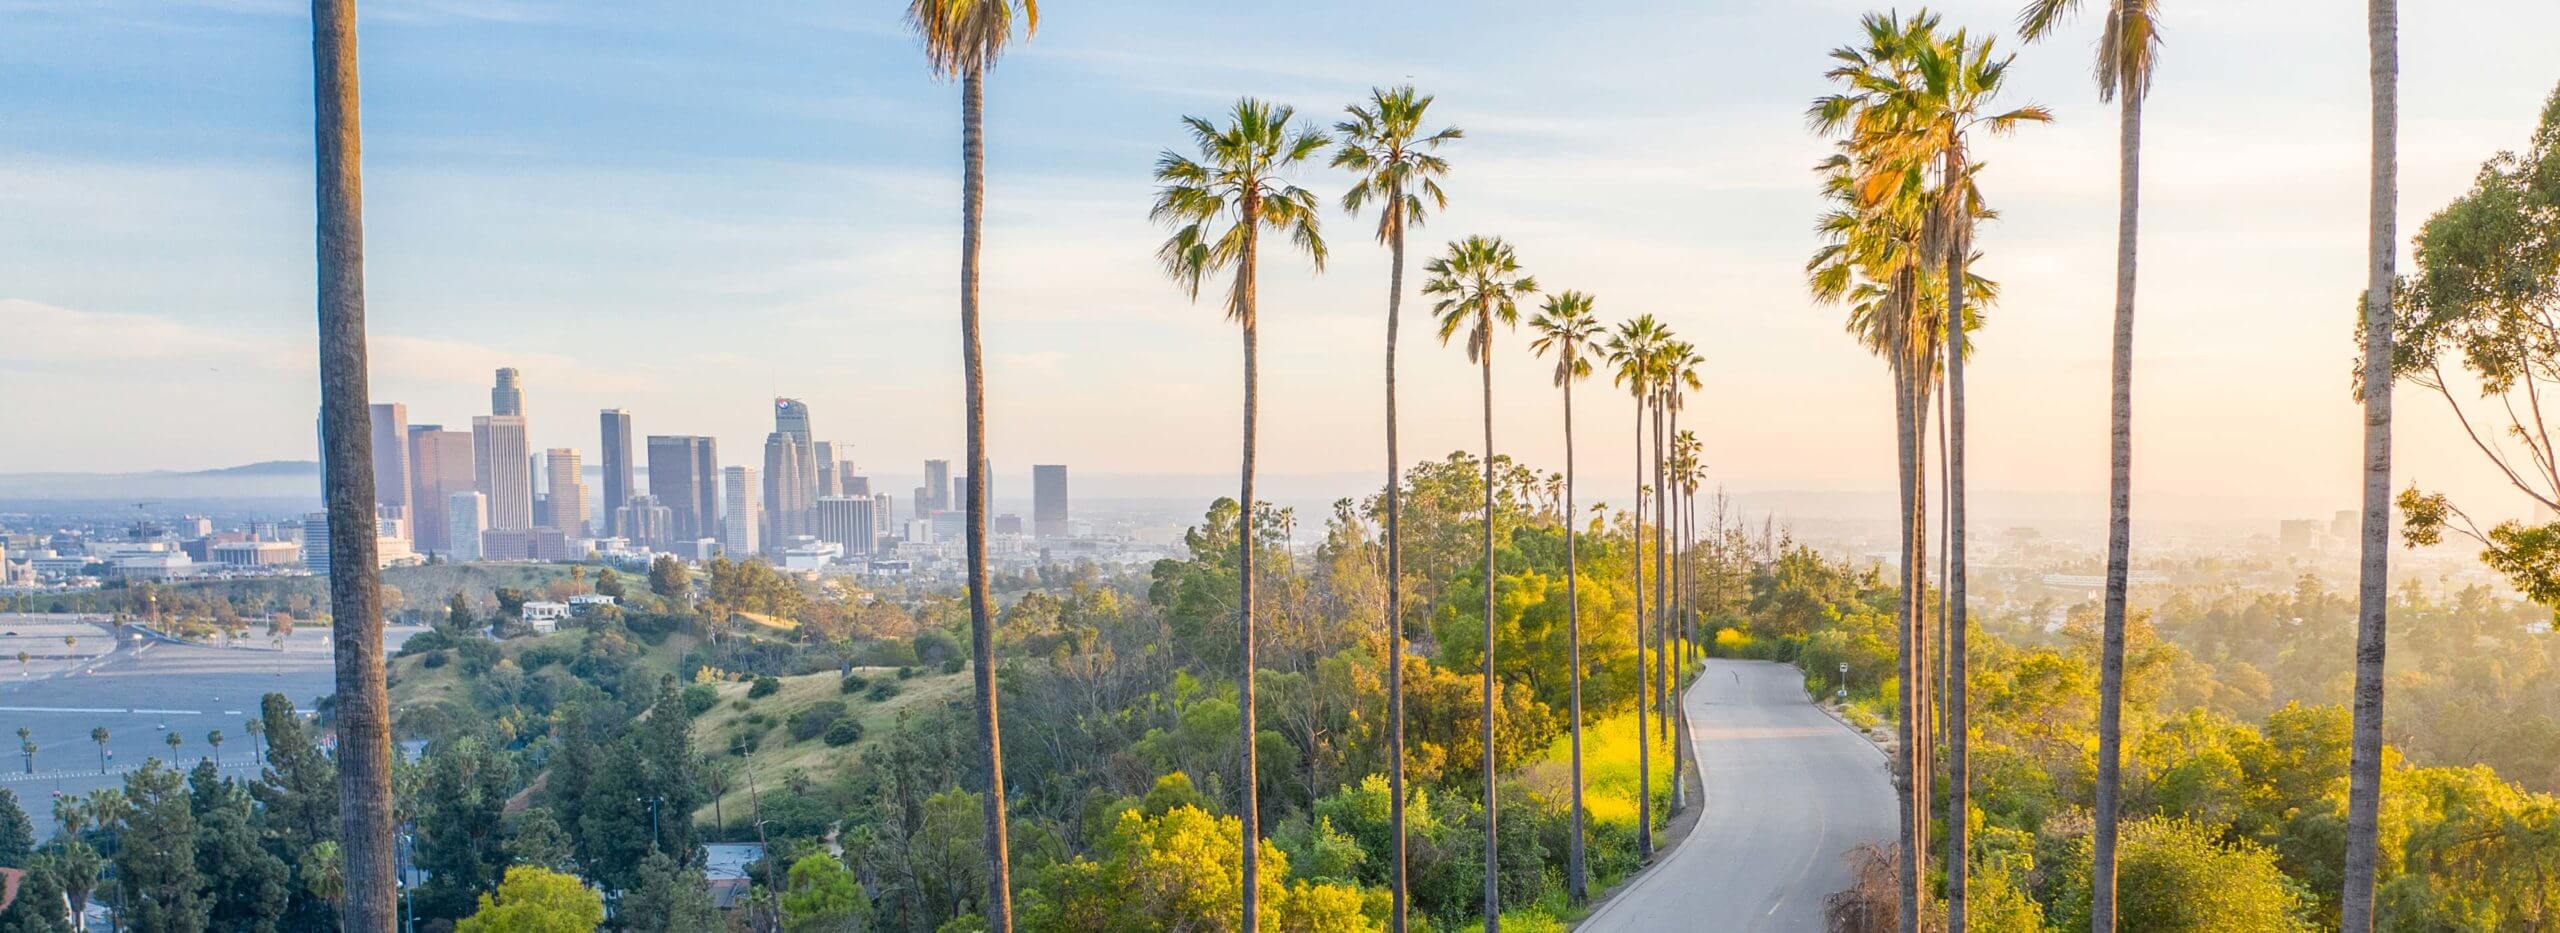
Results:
x,y
507,397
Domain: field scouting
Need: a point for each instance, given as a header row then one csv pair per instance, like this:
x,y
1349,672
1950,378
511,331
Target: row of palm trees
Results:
x,y
1897,248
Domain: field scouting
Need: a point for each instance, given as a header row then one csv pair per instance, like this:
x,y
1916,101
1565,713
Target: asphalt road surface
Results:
x,y
1789,791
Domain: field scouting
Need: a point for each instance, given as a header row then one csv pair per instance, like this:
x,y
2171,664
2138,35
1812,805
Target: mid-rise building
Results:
x,y
614,426
567,477
850,522
466,518
502,469
439,466
256,553
315,543
742,528
391,459
684,473
1049,501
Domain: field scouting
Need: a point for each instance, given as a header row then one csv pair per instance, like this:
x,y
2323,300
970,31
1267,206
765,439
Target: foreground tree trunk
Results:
x,y
1958,661
2373,582
346,437
2102,878
1492,806
1644,742
1576,884
1907,746
1395,588
1251,809
982,646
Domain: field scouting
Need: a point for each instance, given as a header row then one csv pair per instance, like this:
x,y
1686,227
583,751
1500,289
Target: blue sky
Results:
x,y
685,209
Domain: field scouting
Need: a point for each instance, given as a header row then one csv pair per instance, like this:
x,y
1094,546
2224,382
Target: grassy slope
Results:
x,y
777,755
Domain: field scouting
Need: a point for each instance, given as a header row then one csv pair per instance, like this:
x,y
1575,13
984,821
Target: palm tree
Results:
x,y
1480,285
346,437
962,40
1398,167
99,735
27,745
214,738
173,740
1633,350
1680,363
257,740
1566,328
2128,51
1218,205
2364,770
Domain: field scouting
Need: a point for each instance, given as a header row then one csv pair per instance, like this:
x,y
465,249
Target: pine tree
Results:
x,y
249,887
670,898
17,836
155,858
461,845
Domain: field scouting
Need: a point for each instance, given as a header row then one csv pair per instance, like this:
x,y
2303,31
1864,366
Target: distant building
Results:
x,y
315,543
937,485
786,487
806,553
742,528
724,870
644,521
614,454
824,453
568,491
440,465
502,469
1049,518
684,473
507,397
256,553
466,518
544,617
391,458
850,522
2298,536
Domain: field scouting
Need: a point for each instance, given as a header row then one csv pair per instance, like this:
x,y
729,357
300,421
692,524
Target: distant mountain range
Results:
x,y
269,479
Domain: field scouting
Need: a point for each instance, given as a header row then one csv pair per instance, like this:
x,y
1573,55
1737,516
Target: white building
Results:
x,y
466,516
545,617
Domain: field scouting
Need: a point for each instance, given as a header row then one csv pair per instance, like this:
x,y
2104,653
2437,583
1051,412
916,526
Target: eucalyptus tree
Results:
x,y
346,437
1396,164
2364,768
2128,53
1566,328
1479,287
1634,351
962,39
1218,205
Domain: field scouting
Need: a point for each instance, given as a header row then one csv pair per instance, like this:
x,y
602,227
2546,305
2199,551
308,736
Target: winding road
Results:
x,y
1789,790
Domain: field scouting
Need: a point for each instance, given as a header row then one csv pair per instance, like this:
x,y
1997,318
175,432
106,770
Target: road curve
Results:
x,y
1789,790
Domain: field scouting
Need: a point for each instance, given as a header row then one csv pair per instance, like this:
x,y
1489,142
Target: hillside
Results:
x,y
765,723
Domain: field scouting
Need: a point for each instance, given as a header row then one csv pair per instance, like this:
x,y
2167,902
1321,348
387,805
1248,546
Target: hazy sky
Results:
x,y
685,209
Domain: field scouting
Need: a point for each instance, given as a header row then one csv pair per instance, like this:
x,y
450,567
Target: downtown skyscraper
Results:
x,y
788,492
684,473
568,498
614,427
391,463
741,529
937,487
440,465
507,397
1049,501
502,469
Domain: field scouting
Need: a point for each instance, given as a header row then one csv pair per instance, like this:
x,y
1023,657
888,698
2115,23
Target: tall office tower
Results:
x,y
315,543
391,459
1049,500
740,527
568,491
502,469
507,397
791,416
615,456
786,488
466,515
937,484
644,522
855,485
960,491
849,522
824,452
684,474
439,466
884,511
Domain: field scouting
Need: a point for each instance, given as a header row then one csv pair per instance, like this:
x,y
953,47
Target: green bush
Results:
x,y
812,720
882,691
845,731
764,687
700,698
906,673
954,666
435,659
852,684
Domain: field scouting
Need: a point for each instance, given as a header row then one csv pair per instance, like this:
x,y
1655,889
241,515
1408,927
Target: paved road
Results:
x,y
1789,790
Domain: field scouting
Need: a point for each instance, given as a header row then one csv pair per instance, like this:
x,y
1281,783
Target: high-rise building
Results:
x,y
466,518
507,397
391,459
684,474
1049,500
791,416
786,488
824,453
502,469
568,491
645,523
315,543
848,521
937,484
439,466
884,511
740,528
615,457
855,485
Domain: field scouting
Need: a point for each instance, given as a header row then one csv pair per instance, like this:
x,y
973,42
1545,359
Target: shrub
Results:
x,y
906,673
882,691
700,698
954,666
435,659
764,687
852,684
747,743
812,720
739,703
845,731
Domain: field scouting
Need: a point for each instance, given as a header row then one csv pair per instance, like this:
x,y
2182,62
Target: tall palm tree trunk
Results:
x,y
1938,671
2102,878
1395,587
1251,809
1492,806
1576,883
1959,721
1907,747
982,645
1665,503
355,582
1644,743
1661,609
2364,791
